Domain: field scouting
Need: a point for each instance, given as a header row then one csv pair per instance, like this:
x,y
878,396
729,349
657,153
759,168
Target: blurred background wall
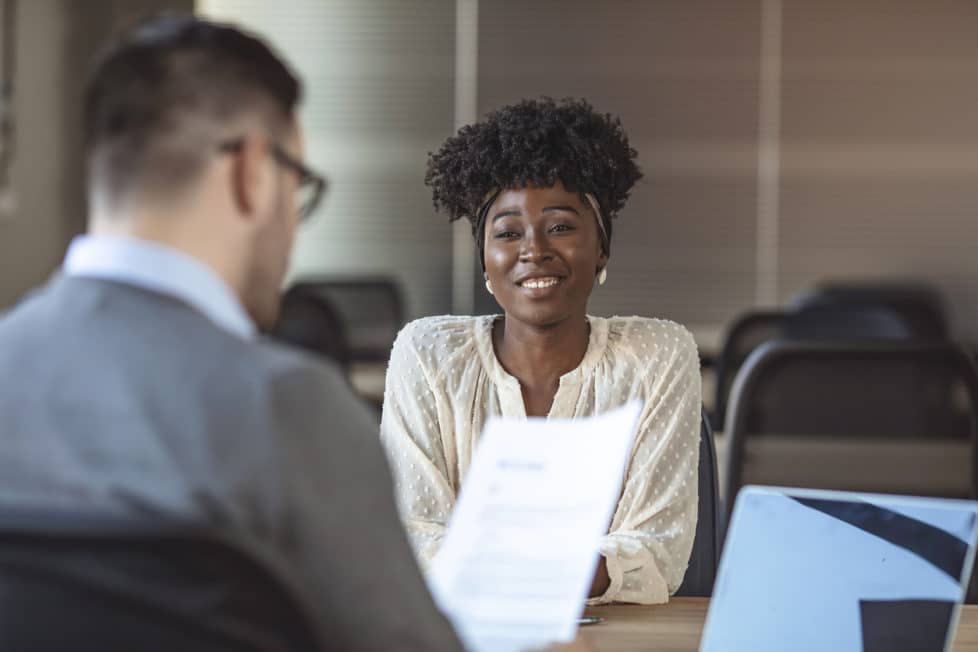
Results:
x,y
784,141
684,77
879,146
33,230
50,45
380,95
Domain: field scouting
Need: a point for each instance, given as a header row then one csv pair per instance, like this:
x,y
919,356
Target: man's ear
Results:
x,y
249,174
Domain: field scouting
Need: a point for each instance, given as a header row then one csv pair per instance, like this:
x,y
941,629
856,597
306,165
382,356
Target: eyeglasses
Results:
x,y
312,186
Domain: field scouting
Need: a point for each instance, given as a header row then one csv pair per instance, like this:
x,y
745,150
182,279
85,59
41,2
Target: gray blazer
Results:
x,y
118,398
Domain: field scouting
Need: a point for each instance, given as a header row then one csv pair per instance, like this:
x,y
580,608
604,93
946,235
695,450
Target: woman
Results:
x,y
540,182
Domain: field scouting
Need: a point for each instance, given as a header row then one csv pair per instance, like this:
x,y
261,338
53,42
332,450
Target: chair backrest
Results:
x,y
702,569
69,581
849,322
748,332
310,322
833,312
918,306
371,309
888,417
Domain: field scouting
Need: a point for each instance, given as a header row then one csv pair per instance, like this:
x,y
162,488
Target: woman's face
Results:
x,y
542,252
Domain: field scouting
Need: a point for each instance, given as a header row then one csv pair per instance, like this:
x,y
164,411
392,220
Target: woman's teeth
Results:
x,y
536,283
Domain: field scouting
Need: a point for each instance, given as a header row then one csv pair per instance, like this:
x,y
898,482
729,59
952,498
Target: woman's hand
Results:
x,y
601,580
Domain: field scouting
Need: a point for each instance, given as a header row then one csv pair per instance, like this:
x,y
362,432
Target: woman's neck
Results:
x,y
538,357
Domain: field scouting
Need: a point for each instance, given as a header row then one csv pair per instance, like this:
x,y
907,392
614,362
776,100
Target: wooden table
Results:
x,y
676,627
368,379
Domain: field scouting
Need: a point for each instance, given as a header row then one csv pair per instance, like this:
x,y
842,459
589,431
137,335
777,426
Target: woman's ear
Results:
x,y
601,271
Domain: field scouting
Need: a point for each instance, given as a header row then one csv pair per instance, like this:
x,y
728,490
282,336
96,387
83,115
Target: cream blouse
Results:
x,y
444,382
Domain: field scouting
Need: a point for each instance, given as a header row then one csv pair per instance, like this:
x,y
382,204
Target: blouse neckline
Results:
x,y
511,396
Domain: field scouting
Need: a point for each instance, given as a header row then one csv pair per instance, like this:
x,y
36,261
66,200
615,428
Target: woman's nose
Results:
x,y
536,247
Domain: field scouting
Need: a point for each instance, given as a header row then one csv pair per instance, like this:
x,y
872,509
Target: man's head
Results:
x,y
191,140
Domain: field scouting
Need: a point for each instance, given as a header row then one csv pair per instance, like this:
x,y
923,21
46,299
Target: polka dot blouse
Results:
x,y
444,382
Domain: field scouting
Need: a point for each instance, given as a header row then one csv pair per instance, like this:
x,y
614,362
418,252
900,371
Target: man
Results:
x,y
135,381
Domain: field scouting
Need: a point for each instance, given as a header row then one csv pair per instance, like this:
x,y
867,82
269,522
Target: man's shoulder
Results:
x,y
128,326
280,363
28,307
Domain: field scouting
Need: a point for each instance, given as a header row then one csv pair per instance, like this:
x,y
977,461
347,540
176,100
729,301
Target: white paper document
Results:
x,y
516,564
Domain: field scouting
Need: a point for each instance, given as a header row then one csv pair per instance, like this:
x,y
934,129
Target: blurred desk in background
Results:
x,y
677,627
368,380
927,468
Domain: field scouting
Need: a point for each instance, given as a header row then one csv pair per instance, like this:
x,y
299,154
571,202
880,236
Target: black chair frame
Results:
x,y
768,354
80,559
729,359
701,572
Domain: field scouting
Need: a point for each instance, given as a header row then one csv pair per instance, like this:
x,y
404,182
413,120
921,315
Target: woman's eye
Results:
x,y
558,228
506,235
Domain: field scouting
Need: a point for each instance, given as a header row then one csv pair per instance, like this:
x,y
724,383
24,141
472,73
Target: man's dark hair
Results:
x,y
534,142
161,98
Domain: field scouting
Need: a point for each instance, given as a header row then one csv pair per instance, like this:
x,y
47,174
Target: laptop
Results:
x,y
810,570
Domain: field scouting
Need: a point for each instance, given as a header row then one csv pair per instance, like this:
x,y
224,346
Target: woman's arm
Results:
x,y
648,545
411,435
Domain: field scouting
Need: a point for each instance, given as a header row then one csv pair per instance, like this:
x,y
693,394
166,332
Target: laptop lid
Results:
x,y
812,570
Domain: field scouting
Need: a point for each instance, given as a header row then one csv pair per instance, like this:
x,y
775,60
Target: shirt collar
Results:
x,y
158,268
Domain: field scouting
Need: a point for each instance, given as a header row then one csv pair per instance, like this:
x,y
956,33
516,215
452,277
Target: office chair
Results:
x,y
919,306
849,323
372,311
826,409
703,560
833,312
748,332
70,581
310,322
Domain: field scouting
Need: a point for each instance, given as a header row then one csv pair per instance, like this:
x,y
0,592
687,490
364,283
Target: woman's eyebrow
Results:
x,y
561,207
515,212
507,212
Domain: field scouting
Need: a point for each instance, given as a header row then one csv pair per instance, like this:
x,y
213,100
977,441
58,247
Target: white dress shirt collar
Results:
x,y
161,269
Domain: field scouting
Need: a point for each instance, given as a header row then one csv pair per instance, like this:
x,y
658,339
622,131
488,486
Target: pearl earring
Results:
x,y
602,275
488,286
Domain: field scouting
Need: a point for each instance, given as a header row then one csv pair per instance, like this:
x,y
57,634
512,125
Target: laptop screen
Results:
x,y
818,570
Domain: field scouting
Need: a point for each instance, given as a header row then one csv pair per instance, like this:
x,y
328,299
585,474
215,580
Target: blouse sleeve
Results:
x,y
651,536
412,437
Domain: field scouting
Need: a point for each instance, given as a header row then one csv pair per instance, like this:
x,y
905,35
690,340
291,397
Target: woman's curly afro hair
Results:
x,y
534,142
